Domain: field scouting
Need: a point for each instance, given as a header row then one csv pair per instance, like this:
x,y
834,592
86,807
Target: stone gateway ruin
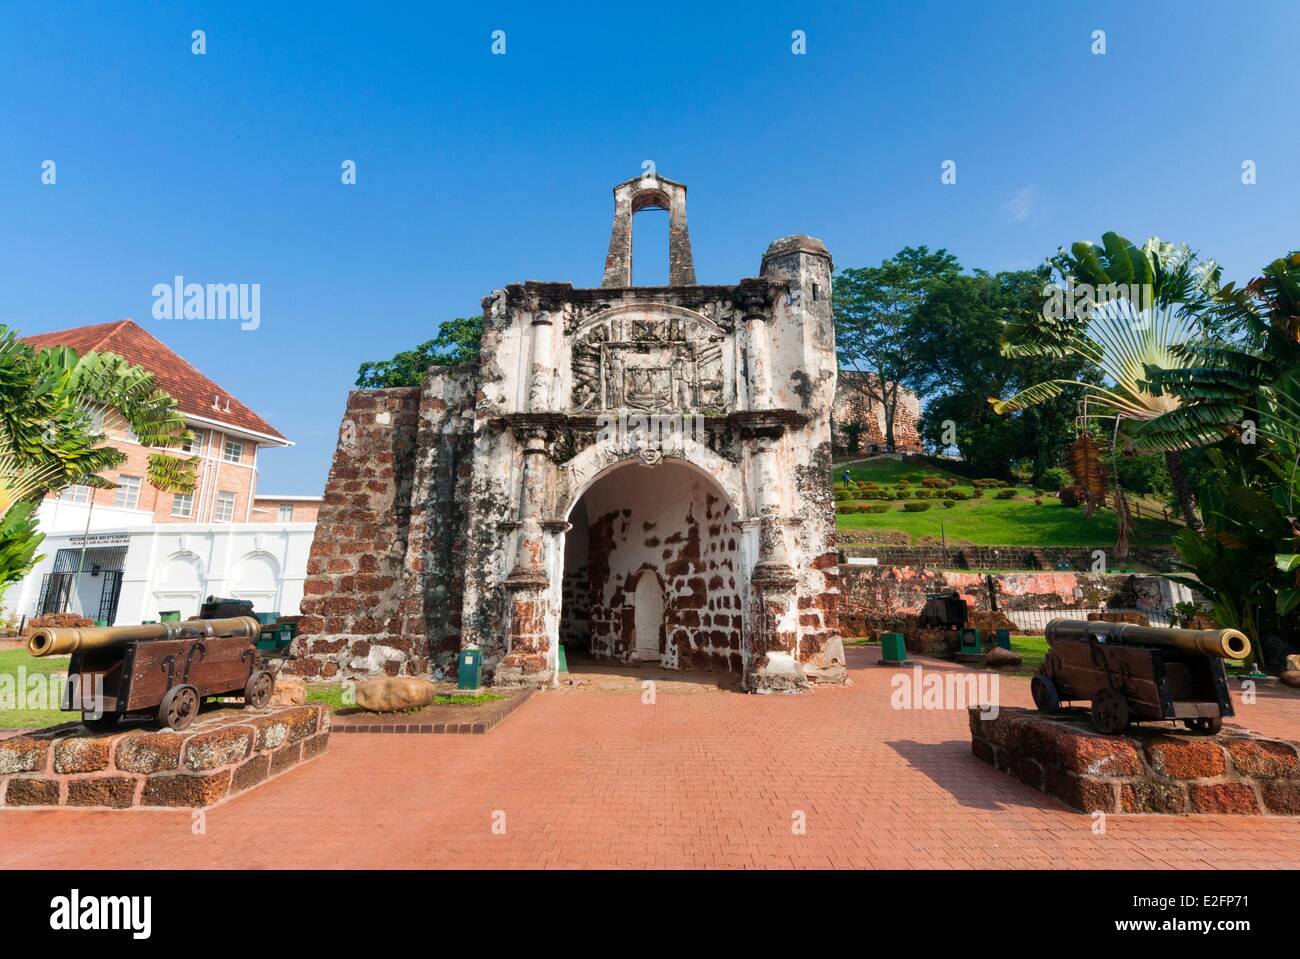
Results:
x,y
641,473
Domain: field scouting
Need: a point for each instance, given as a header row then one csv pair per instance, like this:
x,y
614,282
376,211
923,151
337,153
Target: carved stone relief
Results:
x,y
649,365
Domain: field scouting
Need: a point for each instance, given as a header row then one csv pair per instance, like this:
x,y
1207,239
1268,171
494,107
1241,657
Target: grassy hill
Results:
x,y
979,518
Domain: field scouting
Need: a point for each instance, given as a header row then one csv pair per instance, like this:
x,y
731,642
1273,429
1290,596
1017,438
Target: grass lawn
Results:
x,y
1034,651
17,667
989,521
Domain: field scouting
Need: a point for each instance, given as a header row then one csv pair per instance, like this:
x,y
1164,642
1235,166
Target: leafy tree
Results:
x,y
51,434
875,322
458,341
1154,302
957,364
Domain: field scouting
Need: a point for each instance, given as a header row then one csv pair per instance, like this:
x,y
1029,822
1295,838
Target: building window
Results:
x,y
75,494
224,511
286,512
233,451
127,494
183,504
195,444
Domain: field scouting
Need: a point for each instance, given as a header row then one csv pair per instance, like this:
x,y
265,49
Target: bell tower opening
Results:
x,y
650,191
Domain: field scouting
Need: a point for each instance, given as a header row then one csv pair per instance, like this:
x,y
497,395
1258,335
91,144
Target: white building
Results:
x,y
131,575
127,554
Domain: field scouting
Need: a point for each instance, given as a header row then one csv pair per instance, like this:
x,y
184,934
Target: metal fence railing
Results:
x,y
1036,620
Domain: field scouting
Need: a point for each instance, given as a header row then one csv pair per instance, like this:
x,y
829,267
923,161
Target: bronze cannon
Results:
x,y
1134,673
163,669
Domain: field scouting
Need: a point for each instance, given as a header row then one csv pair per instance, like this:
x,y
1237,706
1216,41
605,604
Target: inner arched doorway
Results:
x,y
653,570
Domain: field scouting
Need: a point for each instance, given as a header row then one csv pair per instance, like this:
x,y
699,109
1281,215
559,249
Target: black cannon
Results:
x,y
944,610
1133,673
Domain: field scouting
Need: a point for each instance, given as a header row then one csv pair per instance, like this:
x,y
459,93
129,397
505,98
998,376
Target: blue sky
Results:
x,y
475,170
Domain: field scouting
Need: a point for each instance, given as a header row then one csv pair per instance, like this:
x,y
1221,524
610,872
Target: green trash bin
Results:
x,y
468,667
267,619
564,660
893,651
170,616
970,642
1004,638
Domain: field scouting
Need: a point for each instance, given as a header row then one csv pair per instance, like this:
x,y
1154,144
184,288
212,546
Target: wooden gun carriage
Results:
x,y
1135,673
162,669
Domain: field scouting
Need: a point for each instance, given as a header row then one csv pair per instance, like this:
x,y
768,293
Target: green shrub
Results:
x,y
875,508
916,507
904,482
987,483
977,493
924,493
1053,479
1008,493
948,504
930,482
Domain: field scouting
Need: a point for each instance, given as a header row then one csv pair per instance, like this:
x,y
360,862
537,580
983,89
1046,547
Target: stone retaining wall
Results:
x,y
223,753
1078,558
868,593
1148,771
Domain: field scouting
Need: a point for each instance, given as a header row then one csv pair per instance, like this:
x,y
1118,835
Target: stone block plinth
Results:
x,y
1153,769
223,753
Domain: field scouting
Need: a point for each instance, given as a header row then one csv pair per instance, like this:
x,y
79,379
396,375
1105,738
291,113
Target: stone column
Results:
x,y
774,632
527,587
760,375
542,368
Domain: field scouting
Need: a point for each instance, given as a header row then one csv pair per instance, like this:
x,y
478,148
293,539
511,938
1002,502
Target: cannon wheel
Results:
x,y
105,721
179,707
258,691
1205,725
1046,698
1109,711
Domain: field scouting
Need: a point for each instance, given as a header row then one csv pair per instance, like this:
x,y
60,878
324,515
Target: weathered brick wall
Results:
x,y
677,528
854,406
352,616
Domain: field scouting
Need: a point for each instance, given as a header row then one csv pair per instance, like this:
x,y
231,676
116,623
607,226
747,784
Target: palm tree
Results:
x,y
1247,381
51,434
1138,306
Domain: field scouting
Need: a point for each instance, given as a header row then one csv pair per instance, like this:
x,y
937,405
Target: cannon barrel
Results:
x,y
1224,643
60,640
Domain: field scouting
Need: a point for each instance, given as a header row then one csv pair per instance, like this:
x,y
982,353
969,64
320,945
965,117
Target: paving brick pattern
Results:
x,y
713,779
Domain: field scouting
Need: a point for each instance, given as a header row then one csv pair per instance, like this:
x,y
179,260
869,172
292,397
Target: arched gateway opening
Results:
x,y
653,570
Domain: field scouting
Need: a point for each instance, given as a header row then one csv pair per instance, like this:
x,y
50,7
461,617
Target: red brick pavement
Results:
x,y
709,779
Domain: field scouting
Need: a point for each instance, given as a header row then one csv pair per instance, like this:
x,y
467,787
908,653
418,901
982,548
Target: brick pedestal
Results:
x,y
1152,770
223,753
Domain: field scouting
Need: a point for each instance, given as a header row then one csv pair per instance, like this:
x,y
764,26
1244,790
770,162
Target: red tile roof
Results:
x,y
193,391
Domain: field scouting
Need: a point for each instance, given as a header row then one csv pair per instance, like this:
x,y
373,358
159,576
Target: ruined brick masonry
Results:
x,y
641,471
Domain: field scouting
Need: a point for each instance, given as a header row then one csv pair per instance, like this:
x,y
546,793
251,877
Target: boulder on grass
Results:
x,y
997,656
1292,678
289,691
391,694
